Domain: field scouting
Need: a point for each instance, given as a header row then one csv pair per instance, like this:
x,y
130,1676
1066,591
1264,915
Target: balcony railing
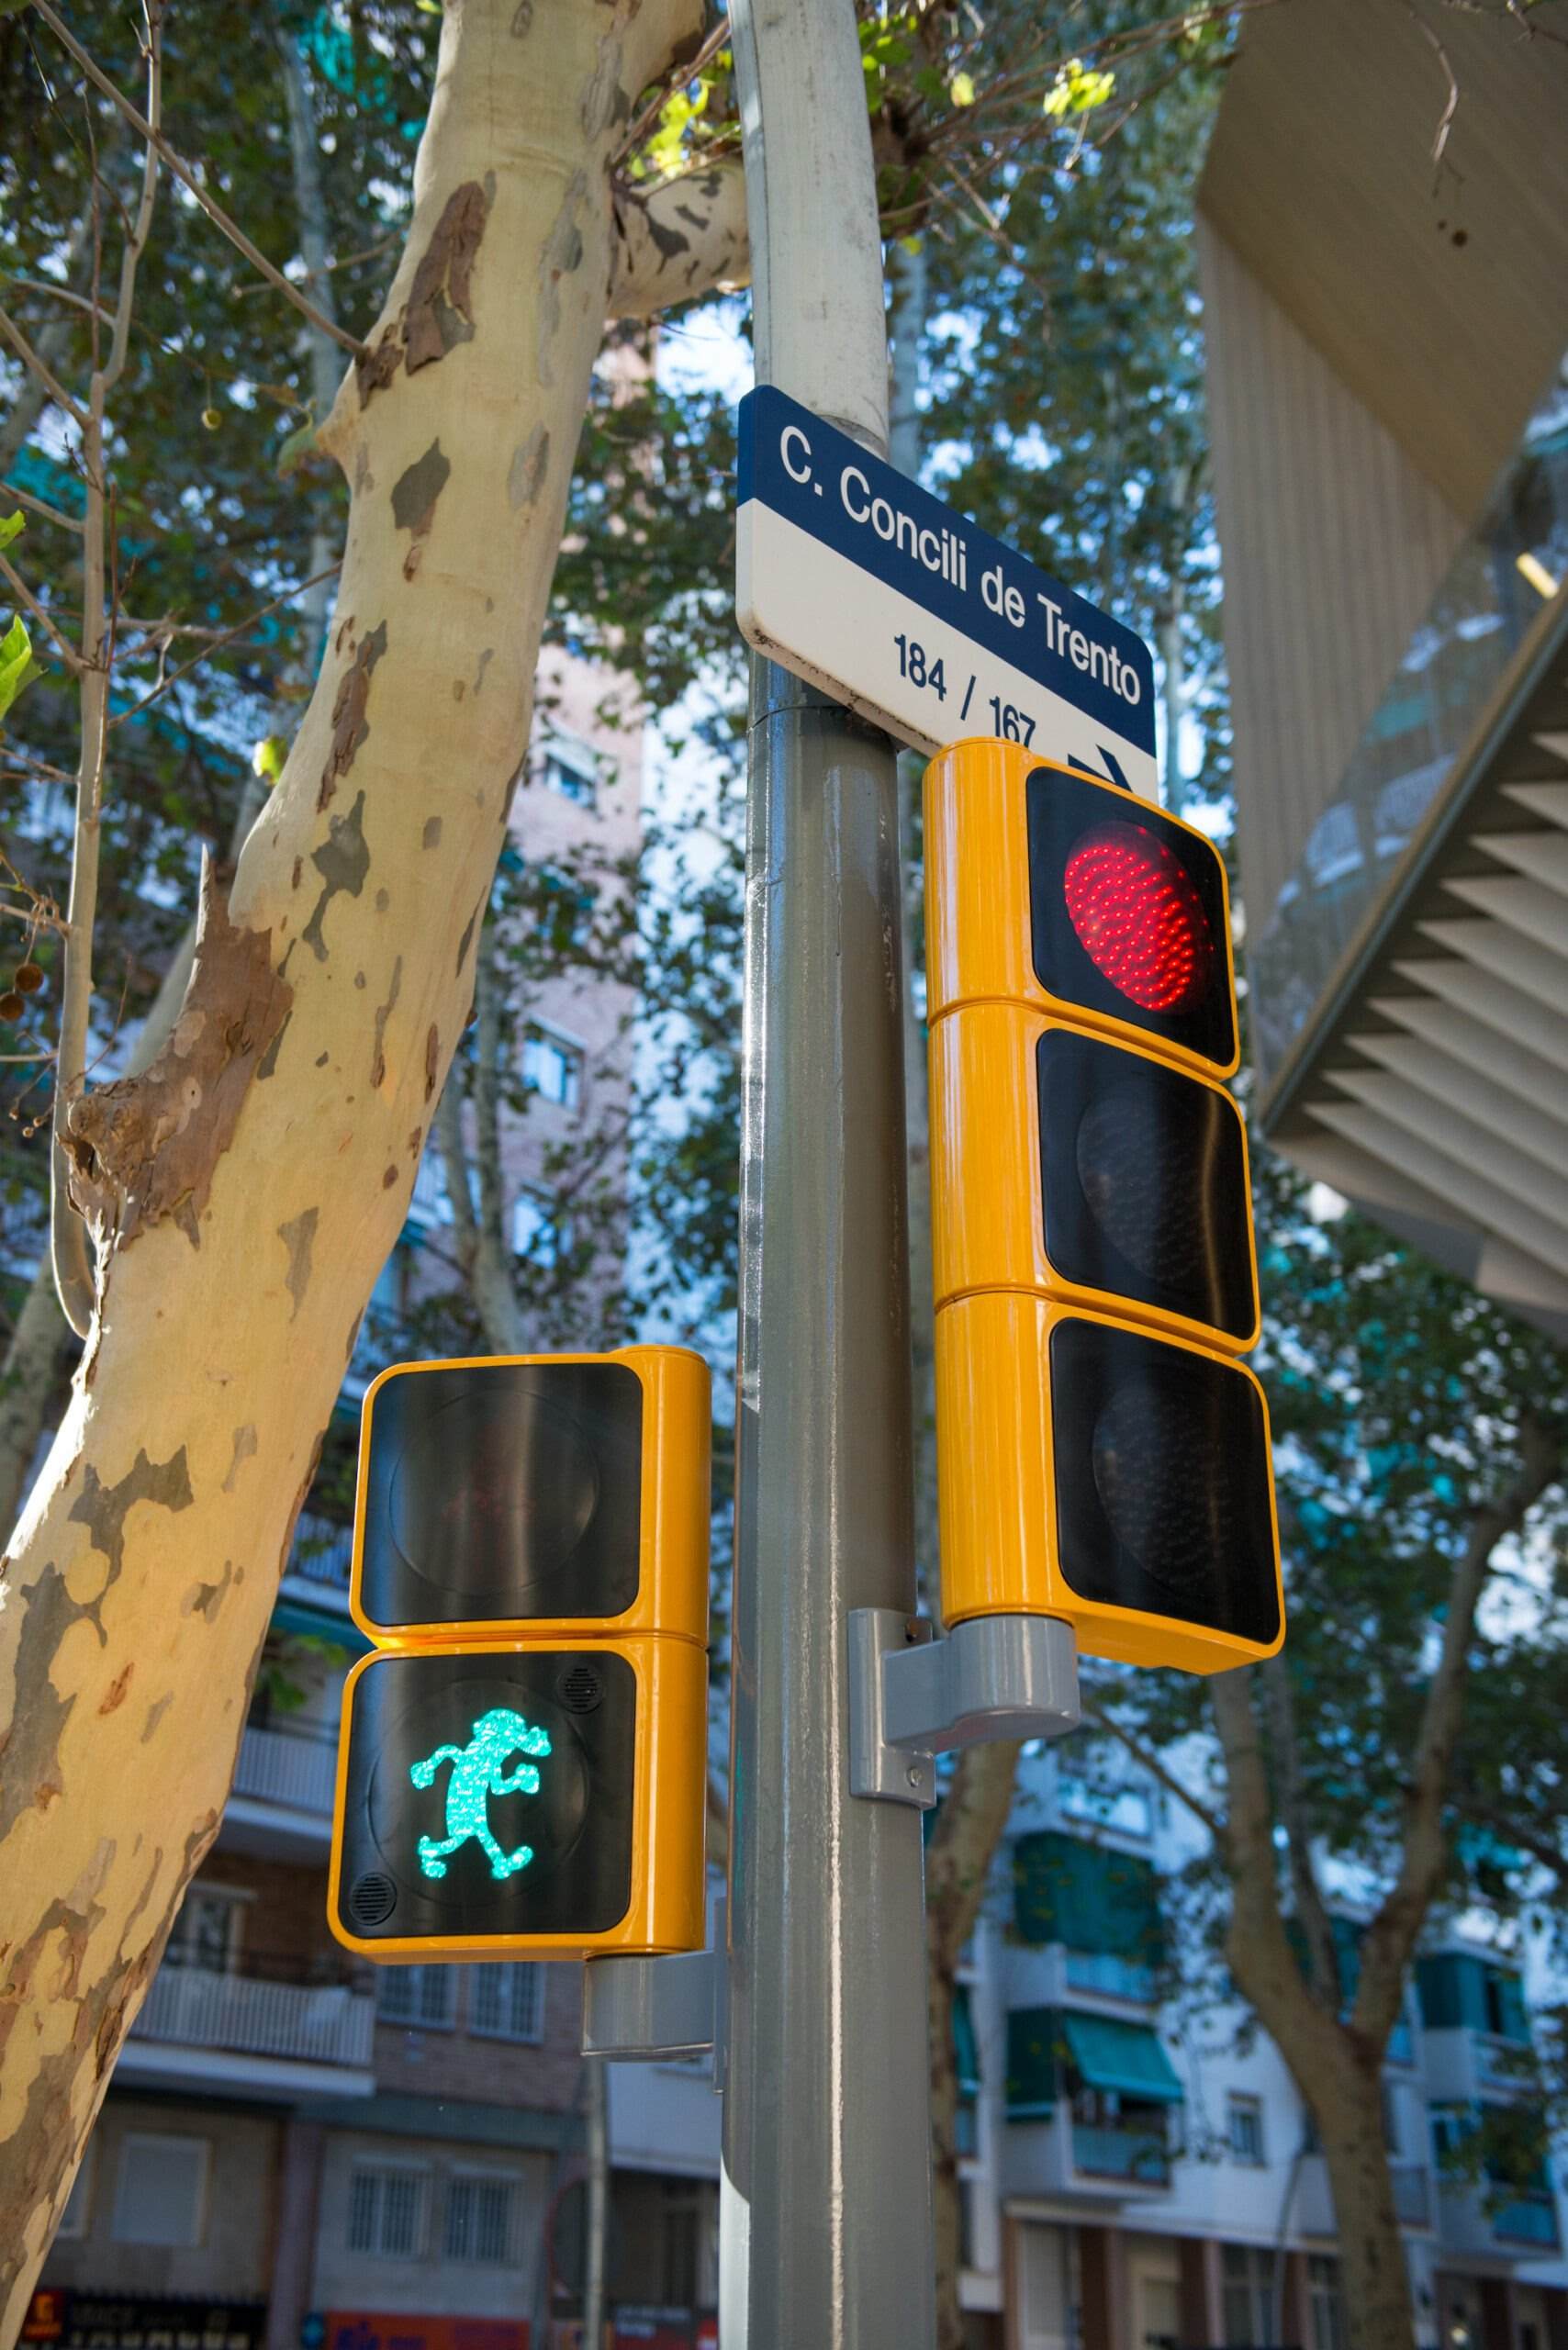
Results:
x,y
292,1763
1108,1976
1478,622
1412,2194
1531,2219
193,2006
322,1549
1102,2150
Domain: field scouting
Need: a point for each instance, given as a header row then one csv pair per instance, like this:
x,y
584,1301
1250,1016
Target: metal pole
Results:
x,y
827,2234
826,2189
597,2099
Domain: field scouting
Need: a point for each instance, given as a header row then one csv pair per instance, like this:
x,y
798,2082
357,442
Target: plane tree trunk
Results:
x,y
244,1190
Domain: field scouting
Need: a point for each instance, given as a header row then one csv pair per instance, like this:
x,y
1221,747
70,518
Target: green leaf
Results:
x,y
1076,89
961,90
266,758
296,449
11,527
17,667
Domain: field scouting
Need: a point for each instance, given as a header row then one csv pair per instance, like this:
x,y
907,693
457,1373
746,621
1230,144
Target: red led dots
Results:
x,y
1139,918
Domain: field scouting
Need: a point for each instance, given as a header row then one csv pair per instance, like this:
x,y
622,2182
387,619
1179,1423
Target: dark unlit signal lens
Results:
x,y
1143,1174
1162,1487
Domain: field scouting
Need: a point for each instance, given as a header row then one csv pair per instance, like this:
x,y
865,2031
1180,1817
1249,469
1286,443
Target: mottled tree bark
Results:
x,y
246,1189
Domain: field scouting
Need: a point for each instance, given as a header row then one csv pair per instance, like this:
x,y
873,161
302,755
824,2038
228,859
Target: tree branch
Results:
x,y
969,1826
678,240
224,636
74,1271
487,1087
59,294
37,506
454,1166
188,179
1391,1937
1144,1756
30,602
1314,1917
1256,1944
41,369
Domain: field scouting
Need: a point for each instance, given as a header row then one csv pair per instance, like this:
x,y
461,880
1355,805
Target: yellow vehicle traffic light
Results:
x,y
1101,1454
522,1767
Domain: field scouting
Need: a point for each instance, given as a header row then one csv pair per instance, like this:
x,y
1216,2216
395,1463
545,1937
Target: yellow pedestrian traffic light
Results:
x,y
522,1769
1102,1454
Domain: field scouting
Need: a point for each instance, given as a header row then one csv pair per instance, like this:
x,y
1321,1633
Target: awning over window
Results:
x,y
1125,2057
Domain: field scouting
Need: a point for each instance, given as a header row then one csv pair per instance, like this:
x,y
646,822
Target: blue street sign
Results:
x,y
852,576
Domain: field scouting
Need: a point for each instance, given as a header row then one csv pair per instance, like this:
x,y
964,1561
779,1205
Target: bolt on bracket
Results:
x,y
912,1697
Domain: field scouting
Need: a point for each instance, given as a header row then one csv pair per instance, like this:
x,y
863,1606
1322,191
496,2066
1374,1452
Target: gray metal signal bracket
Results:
x,y
648,2008
912,1697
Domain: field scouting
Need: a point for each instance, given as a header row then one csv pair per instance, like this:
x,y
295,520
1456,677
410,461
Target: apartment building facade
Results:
x,y
1140,2171
1386,290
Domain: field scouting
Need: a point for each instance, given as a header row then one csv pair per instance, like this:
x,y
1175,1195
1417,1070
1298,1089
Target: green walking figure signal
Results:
x,y
478,1773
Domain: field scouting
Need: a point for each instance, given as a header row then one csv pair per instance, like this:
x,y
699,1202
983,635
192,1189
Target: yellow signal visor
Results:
x,y
1048,887
522,1802
1091,1470
560,1495
1089,1171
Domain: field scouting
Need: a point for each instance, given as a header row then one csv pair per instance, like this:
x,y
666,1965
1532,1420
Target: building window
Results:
x,y
1506,2015
564,908
552,1066
506,2002
1327,2303
1451,2126
74,2220
161,2197
386,2210
1248,2275
570,768
537,1232
481,2216
206,1930
1245,2126
419,1996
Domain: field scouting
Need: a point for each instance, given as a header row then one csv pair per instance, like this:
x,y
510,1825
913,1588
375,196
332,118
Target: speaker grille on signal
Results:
x,y
579,1689
372,1901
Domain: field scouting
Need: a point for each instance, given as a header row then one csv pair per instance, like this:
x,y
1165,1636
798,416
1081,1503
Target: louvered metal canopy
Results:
x,y
1432,1087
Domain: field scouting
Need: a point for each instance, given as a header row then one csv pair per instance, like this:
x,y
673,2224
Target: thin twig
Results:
x,y
349,261
1144,1755
227,636
1445,123
188,179
37,506
40,368
60,293
30,602
74,1277
32,918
